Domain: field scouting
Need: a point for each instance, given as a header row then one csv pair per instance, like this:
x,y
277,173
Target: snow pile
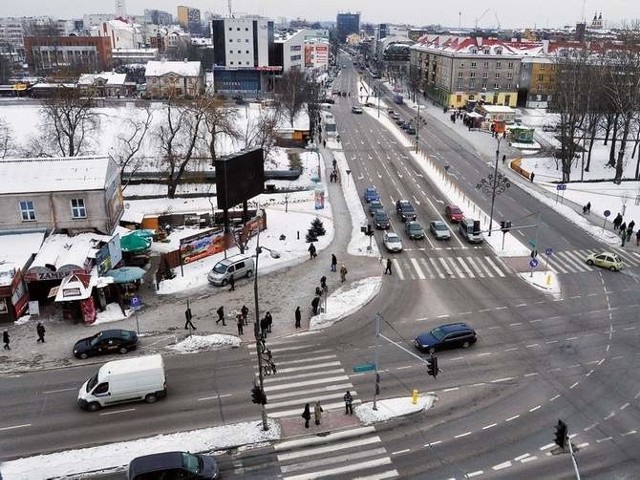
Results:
x,y
112,313
195,343
392,407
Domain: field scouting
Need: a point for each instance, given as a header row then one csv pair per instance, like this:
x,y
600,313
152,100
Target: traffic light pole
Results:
x,y
258,334
375,361
573,459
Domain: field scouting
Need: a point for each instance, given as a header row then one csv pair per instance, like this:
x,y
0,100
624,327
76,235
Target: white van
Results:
x,y
238,265
122,381
470,230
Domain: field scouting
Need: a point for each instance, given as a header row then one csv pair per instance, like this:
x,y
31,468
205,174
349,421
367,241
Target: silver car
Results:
x,y
392,242
440,230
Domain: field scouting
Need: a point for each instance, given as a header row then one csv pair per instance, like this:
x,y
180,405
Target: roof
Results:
x,y
497,109
183,69
36,175
111,78
136,364
64,251
15,252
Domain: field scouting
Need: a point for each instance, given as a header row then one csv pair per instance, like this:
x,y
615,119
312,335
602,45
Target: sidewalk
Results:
x,y
161,320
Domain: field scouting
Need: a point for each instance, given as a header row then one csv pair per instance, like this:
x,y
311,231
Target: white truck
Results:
x,y
122,381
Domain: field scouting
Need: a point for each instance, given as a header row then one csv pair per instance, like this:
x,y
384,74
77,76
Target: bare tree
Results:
x,y
291,92
262,131
130,142
7,145
219,121
68,121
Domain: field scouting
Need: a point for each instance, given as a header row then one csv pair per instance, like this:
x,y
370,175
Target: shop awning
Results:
x,y
126,274
134,243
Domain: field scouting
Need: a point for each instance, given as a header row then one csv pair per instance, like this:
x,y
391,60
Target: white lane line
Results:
x,y
308,367
273,380
547,447
214,397
290,386
462,435
600,440
505,379
512,418
341,470
529,459
306,360
521,457
630,432
502,465
416,267
13,427
624,406
555,397
612,414
400,452
487,427
306,441
475,474
432,443
535,408
574,385
452,389
593,425
335,459
59,391
104,414
309,391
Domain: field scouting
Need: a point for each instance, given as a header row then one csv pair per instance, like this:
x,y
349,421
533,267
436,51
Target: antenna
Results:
x,y
230,9
584,4
459,20
121,9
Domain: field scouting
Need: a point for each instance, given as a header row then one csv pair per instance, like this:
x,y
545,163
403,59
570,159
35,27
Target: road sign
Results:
x,y
364,367
548,252
561,186
532,243
135,302
533,263
606,213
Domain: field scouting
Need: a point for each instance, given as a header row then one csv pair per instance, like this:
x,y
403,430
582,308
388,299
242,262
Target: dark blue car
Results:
x,y
371,193
450,335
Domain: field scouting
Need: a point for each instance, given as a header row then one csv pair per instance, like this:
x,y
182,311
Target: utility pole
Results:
x,y
418,128
376,360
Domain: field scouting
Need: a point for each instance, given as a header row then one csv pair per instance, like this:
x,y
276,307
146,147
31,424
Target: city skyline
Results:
x,y
464,13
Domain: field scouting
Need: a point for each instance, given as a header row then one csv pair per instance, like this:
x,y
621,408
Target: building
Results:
x,y
84,54
346,24
120,34
316,55
157,17
167,79
189,19
60,194
289,49
243,49
11,32
106,84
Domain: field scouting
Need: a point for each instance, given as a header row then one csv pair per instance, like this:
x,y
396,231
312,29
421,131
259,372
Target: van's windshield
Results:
x,y
93,381
220,267
191,463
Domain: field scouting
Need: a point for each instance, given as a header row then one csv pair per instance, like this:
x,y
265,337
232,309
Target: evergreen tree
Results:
x,y
318,227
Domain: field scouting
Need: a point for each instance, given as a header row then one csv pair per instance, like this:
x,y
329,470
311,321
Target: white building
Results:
x,y
290,48
122,34
174,79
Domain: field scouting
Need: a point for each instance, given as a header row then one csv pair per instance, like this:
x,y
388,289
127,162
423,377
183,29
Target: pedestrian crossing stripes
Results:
x,y
573,261
353,453
430,268
317,377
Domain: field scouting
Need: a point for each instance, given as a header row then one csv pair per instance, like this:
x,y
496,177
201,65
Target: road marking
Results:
x,y
600,440
531,374
630,432
502,465
505,379
547,447
624,406
475,474
288,386
462,435
452,389
214,397
417,268
521,457
529,459
308,367
13,427
487,427
593,425
612,414
574,385
515,324
555,397
400,452
535,408
405,367
60,391
104,414
532,345
512,418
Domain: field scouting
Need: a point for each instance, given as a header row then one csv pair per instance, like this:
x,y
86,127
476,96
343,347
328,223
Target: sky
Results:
x,y
547,13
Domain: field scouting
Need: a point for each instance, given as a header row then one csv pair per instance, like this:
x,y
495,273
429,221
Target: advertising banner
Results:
x,y
319,198
201,245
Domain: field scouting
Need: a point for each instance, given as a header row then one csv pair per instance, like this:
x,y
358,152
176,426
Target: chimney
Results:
x,y
479,41
545,46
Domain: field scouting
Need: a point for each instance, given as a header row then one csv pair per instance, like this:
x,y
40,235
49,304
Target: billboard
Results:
x,y
239,177
201,245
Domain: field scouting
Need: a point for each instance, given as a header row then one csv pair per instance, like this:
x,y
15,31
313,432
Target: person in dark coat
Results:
x,y
312,251
348,403
220,312
187,319
343,273
306,415
6,339
40,330
617,221
638,238
623,227
317,413
269,320
245,313
298,316
531,176
264,325
586,210
315,303
323,283
334,262
388,269
240,324
232,283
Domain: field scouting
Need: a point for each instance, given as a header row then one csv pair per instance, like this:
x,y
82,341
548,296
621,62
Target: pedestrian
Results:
x,y
638,238
335,164
623,227
317,413
343,273
630,228
623,235
531,176
312,251
269,320
388,269
334,262
323,283
588,208
264,325
232,283
617,221
629,232
504,159
240,324
187,317
40,331
220,312
298,316
315,303
324,143
318,291
6,339
348,403
245,313
306,415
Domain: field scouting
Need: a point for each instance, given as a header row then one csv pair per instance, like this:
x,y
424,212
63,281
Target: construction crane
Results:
x,y
497,20
481,17
230,10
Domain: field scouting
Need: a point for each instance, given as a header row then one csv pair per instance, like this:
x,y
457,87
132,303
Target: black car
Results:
x,y
173,465
106,341
405,210
381,220
450,335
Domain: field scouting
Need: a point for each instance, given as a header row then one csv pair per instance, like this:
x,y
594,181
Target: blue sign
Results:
x,y
533,263
532,243
561,186
364,367
135,302
607,213
548,252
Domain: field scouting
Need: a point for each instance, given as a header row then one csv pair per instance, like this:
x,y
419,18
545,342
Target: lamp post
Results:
x,y
494,184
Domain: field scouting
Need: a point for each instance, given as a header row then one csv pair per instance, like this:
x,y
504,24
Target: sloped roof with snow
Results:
x,y
36,175
183,69
15,252
110,78
63,251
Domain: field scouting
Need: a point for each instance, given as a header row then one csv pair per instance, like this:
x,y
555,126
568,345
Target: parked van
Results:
x,y
122,381
238,265
470,230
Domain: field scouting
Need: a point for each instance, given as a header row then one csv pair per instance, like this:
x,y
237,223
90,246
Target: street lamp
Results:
x,y
494,184
260,344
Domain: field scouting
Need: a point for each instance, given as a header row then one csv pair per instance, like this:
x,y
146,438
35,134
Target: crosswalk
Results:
x,y
354,453
573,261
432,267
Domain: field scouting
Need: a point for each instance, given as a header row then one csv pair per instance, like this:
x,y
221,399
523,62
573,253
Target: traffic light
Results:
x,y
561,434
258,396
432,366
505,225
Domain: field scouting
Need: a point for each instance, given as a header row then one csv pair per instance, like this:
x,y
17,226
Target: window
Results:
x,y
510,76
510,65
497,75
509,86
461,64
542,66
541,77
460,74
486,64
498,65
474,64
484,85
472,84
496,85
78,210
472,74
487,51
485,75
27,211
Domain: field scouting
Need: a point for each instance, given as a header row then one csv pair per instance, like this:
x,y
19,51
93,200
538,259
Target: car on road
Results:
x,y
404,125
411,130
453,213
381,220
392,242
374,206
173,465
405,210
356,109
395,116
549,127
106,341
607,260
370,193
440,230
414,230
449,335
391,111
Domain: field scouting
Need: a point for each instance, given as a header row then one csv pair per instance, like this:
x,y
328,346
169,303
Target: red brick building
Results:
x,y
82,54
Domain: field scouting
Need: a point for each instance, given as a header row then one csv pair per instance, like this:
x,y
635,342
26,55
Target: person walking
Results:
x,y
531,176
334,262
245,313
388,269
315,303
623,228
348,403
638,238
629,232
220,312
306,414
504,159
269,320
317,412
343,274
40,330
312,251
6,340
298,316
617,221
240,324
264,325
323,283
188,324
232,283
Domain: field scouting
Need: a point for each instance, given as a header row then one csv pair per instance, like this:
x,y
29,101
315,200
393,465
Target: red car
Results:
x,y
453,213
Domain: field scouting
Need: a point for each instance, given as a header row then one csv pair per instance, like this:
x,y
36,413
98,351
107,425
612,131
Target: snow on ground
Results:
x,y
392,407
196,343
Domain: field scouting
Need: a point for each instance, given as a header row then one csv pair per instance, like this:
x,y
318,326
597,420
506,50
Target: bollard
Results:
x,y
414,397
548,279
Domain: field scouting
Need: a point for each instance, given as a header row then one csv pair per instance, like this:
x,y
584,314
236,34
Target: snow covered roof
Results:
x,y
497,109
33,175
65,252
15,252
111,78
184,69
